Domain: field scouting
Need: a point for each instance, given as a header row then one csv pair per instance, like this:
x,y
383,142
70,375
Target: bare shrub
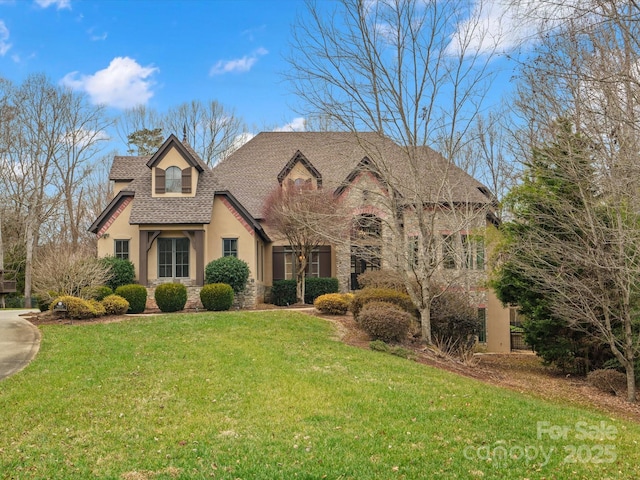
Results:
x,y
66,272
454,324
609,381
382,279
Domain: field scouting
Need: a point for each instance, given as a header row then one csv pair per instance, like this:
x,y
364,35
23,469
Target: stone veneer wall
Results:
x,y
246,299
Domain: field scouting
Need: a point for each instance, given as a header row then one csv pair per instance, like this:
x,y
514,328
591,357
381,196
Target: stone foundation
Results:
x,y
246,299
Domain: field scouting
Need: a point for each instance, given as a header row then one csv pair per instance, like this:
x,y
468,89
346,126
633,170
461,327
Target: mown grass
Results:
x,y
273,395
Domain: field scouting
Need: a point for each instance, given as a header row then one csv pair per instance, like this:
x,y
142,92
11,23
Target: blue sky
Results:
x,y
162,53
157,52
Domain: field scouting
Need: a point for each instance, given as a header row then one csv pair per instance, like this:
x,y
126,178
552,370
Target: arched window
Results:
x,y
173,180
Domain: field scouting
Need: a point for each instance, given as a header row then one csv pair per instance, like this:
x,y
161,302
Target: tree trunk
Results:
x,y
425,320
28,267
631,382
300,284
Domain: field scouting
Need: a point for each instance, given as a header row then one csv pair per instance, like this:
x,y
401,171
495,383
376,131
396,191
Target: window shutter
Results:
x,y
278,263
160,180
186,180
324,254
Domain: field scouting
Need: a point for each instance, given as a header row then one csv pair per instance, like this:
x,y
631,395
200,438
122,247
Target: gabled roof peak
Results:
x,y
298,157
187,153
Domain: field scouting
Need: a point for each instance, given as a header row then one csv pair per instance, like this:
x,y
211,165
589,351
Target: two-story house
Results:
x,y
171,214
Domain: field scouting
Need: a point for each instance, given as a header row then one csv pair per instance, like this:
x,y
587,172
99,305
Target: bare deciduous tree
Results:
x,y
585,69
48,140
415,72
210,129
307,218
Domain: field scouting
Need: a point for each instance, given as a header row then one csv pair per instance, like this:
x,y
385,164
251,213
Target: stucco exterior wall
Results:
x,y
498,331
120,229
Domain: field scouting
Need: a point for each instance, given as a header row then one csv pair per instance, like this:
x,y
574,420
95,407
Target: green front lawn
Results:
x,y
274,395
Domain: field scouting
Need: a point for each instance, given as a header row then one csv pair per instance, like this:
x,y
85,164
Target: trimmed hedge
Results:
x,y
385,321
332,304
229,270
316,286
115,305
135,294
283,292
171,297
216,297
366,295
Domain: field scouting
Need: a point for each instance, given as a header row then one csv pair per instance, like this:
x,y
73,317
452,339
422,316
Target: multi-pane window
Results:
x,y
482,330
448,251
473,252
229,247
480,253
173,257
291,264
121,249
173,180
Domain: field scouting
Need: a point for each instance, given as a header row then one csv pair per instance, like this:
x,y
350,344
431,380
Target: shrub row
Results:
x,y
81,309
283,292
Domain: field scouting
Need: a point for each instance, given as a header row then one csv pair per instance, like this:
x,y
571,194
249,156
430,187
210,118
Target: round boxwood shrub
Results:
x,y
216,297
366,295
77,307
115,305
171,297
135,294
332,304
385,321
229,270
98,292
121,270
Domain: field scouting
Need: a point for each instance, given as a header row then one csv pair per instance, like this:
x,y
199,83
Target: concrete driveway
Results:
x,y
19,342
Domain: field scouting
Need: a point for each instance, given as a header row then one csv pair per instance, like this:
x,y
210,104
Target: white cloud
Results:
x,y
501,26
84,137
60,4
243,64
298,124
95,37
4,37
123,84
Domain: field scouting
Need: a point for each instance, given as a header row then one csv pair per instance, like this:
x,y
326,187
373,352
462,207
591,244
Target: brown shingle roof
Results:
x,y
166,210
126,169
172,210
251,172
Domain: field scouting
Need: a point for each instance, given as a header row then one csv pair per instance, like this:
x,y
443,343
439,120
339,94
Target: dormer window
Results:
x,y
173,182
